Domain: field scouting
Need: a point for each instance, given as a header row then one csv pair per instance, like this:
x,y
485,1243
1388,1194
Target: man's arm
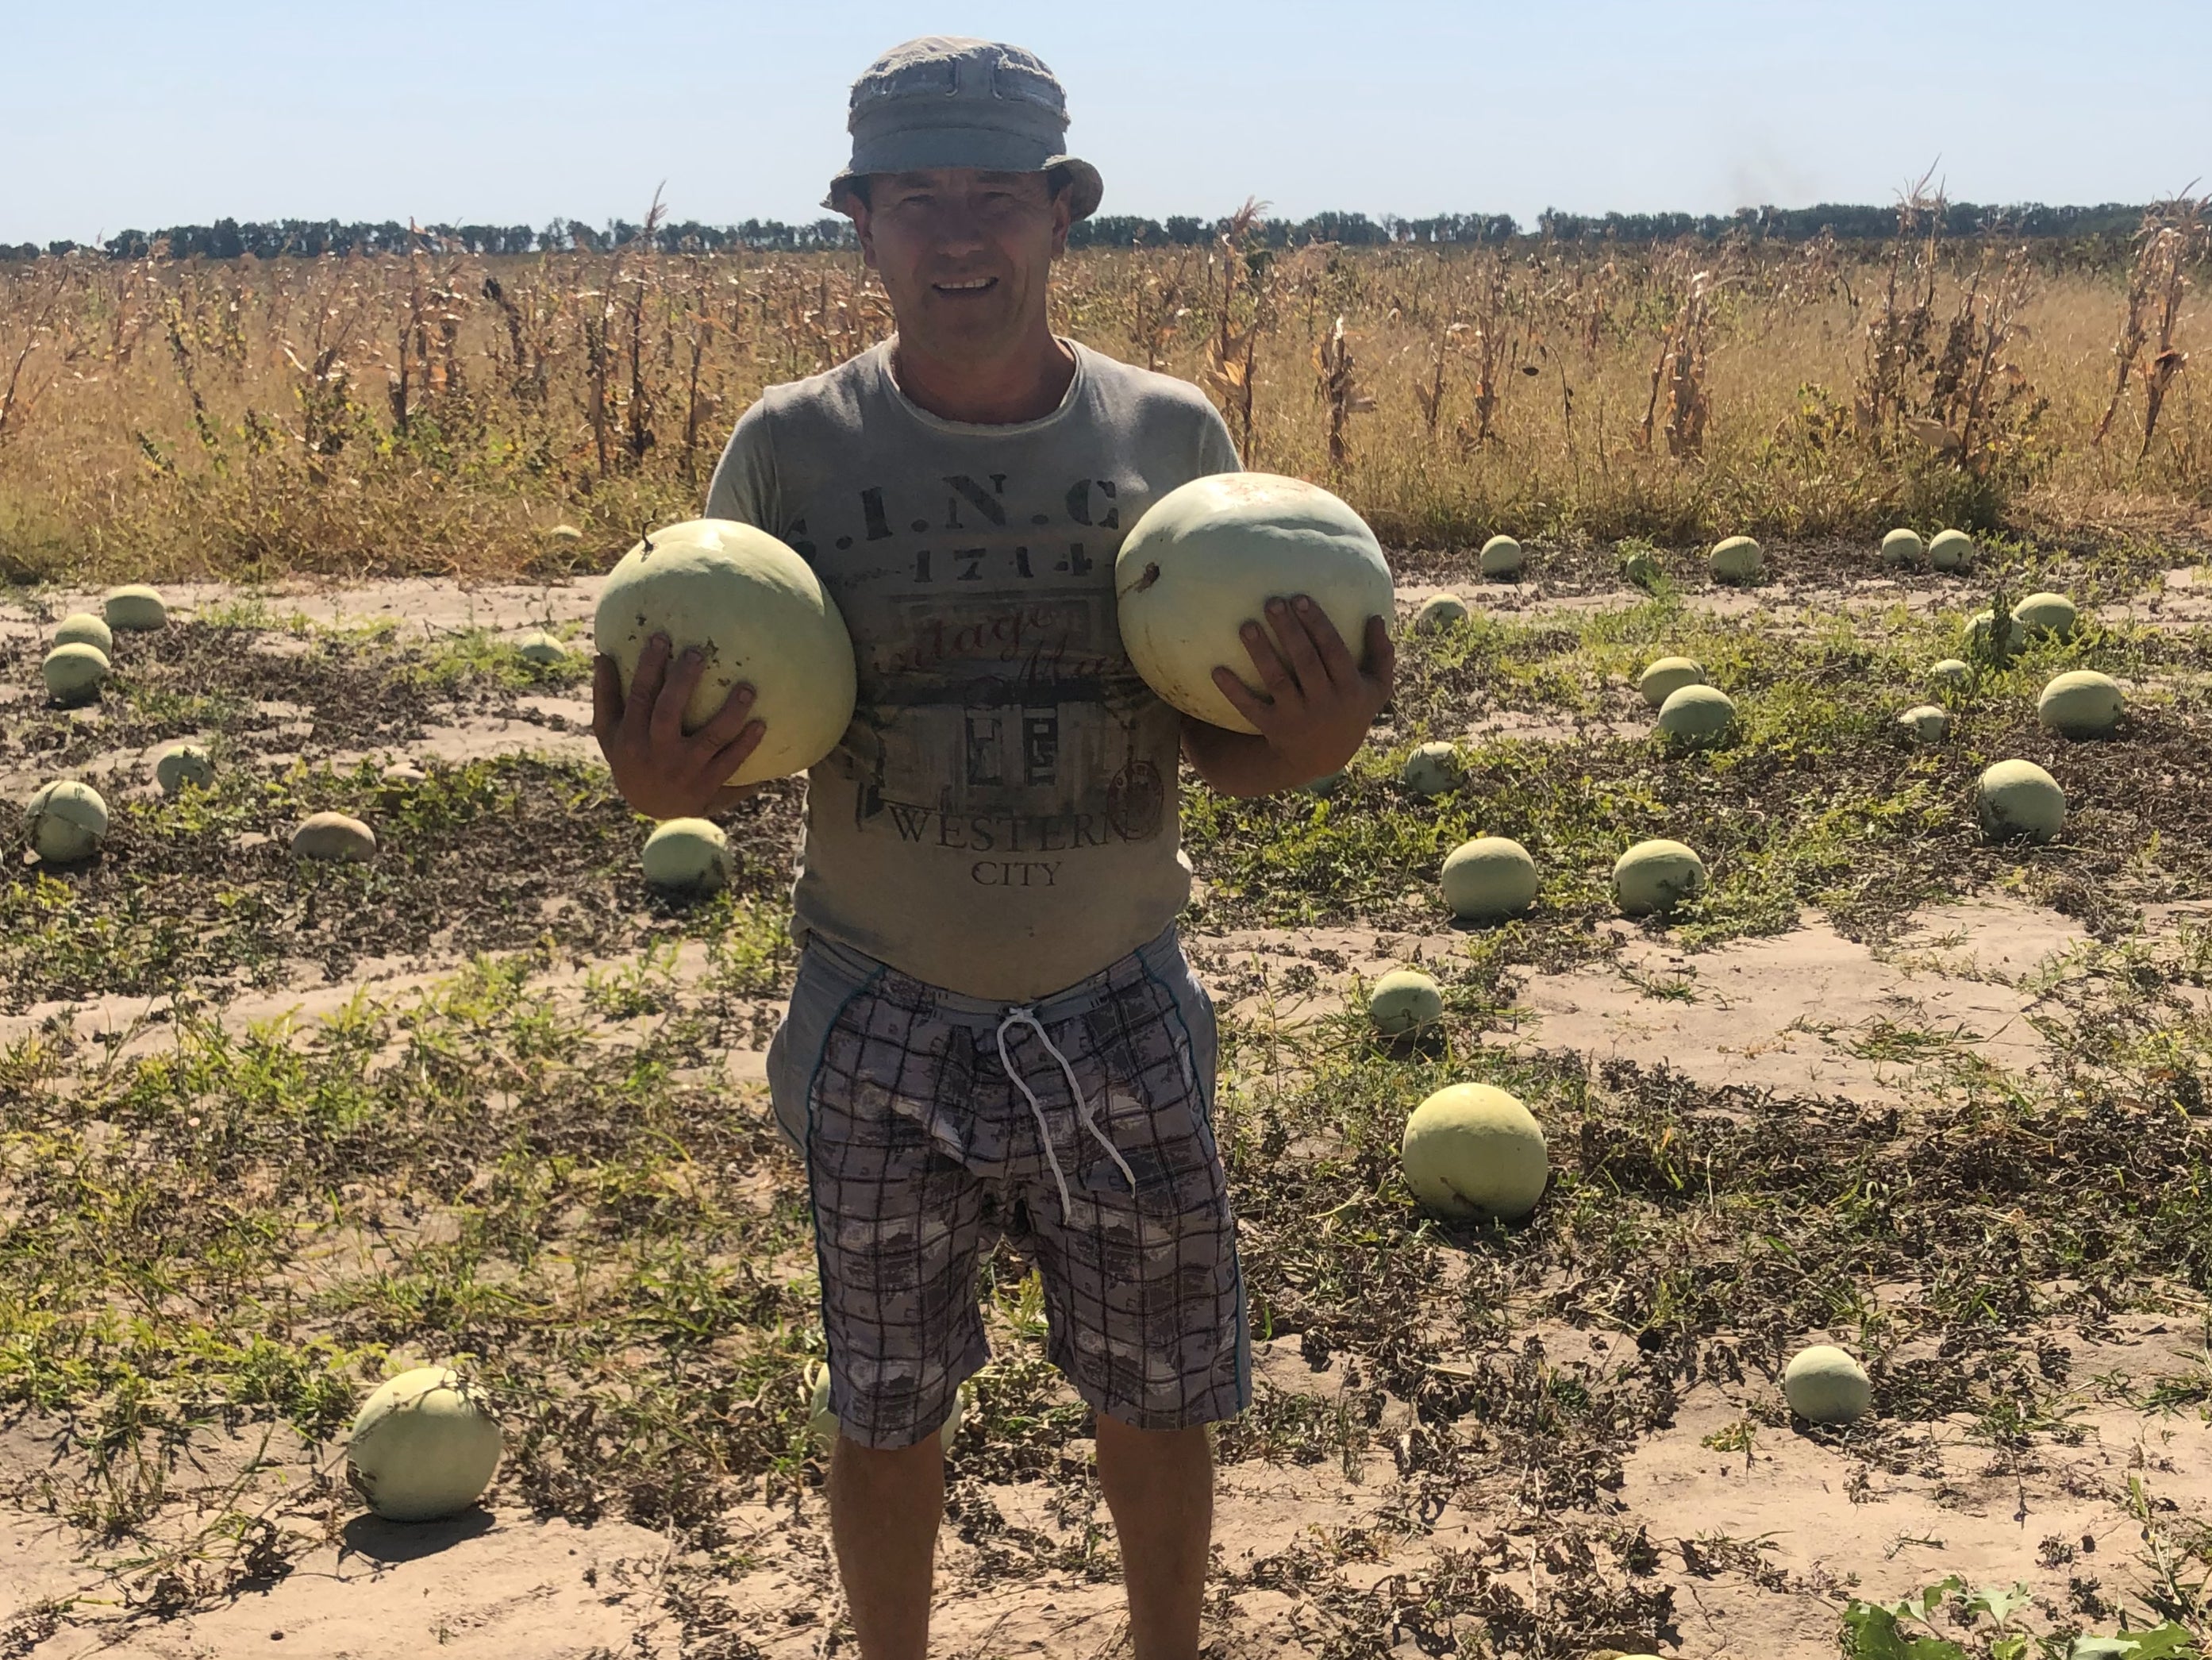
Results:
x,y
1313,710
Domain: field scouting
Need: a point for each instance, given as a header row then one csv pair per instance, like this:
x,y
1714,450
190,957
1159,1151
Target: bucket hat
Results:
x,y
951,101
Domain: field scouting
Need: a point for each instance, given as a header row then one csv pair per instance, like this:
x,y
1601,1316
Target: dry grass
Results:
x,y
439,413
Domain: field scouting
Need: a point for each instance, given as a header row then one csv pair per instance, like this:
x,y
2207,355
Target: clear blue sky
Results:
x,y
142,114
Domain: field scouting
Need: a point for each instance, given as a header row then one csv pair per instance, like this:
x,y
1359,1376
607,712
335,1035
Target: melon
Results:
x,y
1925,724
2080,703
1903,547
1405,1000
1502,557
1655,876
1663,678
821,1423
423,1445
1474,1151
1951,671
333,837
691,855
1640,569
1490,877
759,615
176,765
135,607
1825,1385
1951,550
1205,558
66,821
2018,798
397,781
1736,559
81,628
539,647
1327,784
1981,634
2045,615
1432,768
1693,713
564,535
74,673
1439,612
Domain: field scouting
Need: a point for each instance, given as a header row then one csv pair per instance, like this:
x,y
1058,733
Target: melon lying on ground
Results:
x,y
1951,671
1432,768
423,1445
821,1423
1951,550
1439,611
1668,676
74,673
81,628
135,607
2018,798
1655,876
1405,1000
1736,559
2080,703
66,821
539,647
1640,568
1924,724
1695,714
760,616
1982,635
334,837
564,535
1206,557
1327,784
397,781
2044,616
1502,557
176,765
1903,547
687,855
1490,877
1472,1150
1825,1385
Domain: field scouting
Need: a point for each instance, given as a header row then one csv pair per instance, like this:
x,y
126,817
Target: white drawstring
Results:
x,y
1036,1107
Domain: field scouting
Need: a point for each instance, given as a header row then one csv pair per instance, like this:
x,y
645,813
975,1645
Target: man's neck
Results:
x,y
992,392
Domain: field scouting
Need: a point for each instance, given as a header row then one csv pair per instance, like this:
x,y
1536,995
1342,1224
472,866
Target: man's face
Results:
x,y
963,254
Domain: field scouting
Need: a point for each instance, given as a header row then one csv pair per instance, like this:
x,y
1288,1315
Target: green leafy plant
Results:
x,y
1906,1630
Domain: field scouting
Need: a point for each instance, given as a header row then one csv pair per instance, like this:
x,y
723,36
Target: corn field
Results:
x,y
440,413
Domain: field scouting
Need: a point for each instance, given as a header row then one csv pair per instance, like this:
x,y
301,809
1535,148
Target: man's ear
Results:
x,y
862,229
1063,217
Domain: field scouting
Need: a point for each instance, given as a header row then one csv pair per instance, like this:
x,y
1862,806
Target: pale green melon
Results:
x,y
539,647
1490,877
1639,568
75,673
762,617
1981,632
821,1423
1206,557
1825,1385
1951,550
688,853
1472,1150
66,821
81,628
1924,724
1438,612
334,838
1657,876
1432,768
1502,557
1903,547
1692,714
1405,1000
423,1445
181,763
397,781
564,535
2040,615
2017,798
1736,559
135,607
1668,676
2080,703
1951,671
1327,784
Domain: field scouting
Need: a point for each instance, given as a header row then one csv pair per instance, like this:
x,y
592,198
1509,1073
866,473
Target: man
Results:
x,y
994,1031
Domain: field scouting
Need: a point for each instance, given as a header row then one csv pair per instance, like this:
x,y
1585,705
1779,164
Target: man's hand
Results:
x,y
660,770
1314,708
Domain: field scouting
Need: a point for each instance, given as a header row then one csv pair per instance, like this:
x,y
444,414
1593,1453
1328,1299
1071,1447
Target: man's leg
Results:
x,y
1159,1487
884,1513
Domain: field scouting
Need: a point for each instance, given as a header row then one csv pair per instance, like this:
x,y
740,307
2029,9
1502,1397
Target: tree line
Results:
x,y
229,239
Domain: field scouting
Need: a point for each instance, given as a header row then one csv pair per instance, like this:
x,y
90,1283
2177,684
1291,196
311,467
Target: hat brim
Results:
x,y
1087,188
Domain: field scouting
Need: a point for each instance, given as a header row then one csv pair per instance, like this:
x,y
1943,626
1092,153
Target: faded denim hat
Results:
x,y
950,102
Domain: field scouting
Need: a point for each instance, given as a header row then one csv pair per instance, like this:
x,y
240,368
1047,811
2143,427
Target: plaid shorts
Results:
x,y
922,1150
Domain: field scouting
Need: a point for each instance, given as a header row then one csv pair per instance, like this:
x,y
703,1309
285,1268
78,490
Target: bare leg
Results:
x,y
1159,1486
884,1511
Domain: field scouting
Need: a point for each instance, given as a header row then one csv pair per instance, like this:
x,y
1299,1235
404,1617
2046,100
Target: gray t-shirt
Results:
x,y
1000,819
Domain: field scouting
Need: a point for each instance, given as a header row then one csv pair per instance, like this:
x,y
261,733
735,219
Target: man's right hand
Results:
x,y
661,770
